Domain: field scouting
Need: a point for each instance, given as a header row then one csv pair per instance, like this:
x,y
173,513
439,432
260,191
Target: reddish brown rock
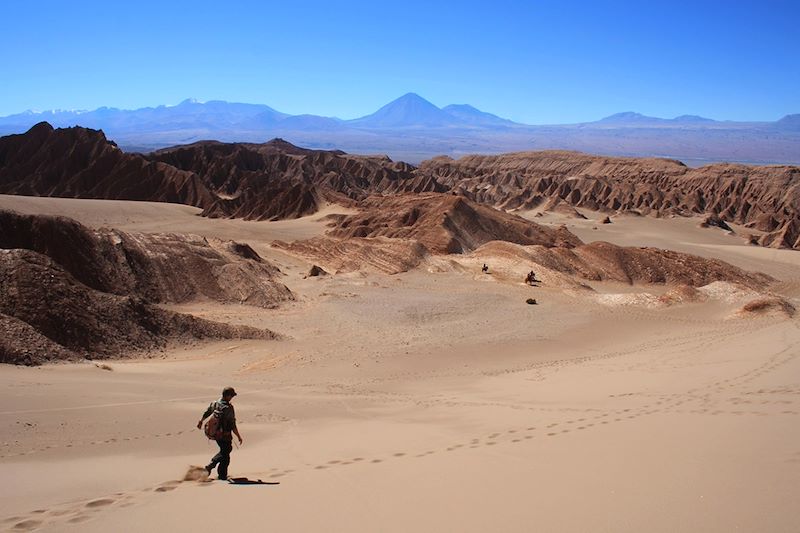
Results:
x,y
46,314
160,268
765,197
278,180
81,163
767,306
444,224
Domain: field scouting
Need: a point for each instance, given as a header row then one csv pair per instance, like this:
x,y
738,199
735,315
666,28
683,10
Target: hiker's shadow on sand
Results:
x,y
248,481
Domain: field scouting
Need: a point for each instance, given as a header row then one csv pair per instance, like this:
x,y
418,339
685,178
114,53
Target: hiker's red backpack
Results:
x,y
213,425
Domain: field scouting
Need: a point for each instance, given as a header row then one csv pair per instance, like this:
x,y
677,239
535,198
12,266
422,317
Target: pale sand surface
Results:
x,y
424,402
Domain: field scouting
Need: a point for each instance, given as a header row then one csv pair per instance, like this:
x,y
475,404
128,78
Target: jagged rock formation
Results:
x,y
278,180
46,314
557,205
397,233
82,163
160,268
766,198
444,224
274,180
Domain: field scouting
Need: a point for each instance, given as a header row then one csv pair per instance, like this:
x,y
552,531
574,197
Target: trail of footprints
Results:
x,y
75,513
71,513
78,512
81,444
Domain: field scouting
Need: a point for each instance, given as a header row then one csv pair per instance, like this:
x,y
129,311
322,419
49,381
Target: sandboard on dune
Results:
x,y
248,481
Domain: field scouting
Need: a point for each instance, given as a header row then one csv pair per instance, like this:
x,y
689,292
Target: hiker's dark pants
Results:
x,y
223,458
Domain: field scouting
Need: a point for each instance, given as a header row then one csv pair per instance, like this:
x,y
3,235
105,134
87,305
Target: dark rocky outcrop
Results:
x,y
394,234
277,180
160,268
766,198
68,292
81,163
444,224
46,315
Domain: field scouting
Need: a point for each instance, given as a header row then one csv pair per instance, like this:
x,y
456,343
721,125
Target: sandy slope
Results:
x,y
424,401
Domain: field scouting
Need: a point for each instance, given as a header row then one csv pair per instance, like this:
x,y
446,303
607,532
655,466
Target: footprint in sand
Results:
x,y
27,525
168,486
79,518
102,502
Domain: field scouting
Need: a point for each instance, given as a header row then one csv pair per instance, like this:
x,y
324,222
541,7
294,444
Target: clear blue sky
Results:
x,y
531,61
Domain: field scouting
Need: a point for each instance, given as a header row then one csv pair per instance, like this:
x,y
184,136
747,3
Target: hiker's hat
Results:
x,y
228,391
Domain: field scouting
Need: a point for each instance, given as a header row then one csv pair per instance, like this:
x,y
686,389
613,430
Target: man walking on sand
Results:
x,y
223,409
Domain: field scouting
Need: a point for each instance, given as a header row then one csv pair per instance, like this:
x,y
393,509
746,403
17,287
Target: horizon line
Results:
x,y
191,100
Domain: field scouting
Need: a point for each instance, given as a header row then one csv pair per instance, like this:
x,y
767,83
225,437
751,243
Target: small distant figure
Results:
x,y
530,279
485,268
219,428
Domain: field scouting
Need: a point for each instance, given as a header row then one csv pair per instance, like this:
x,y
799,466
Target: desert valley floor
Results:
x,y
430,400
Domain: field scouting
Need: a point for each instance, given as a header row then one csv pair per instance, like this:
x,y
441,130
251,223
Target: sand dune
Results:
x,y
434,399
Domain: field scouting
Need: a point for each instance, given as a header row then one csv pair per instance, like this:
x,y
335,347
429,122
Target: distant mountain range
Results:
x,y
412,128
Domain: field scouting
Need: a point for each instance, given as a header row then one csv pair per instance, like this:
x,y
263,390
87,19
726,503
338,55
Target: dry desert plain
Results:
x,y
431,400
